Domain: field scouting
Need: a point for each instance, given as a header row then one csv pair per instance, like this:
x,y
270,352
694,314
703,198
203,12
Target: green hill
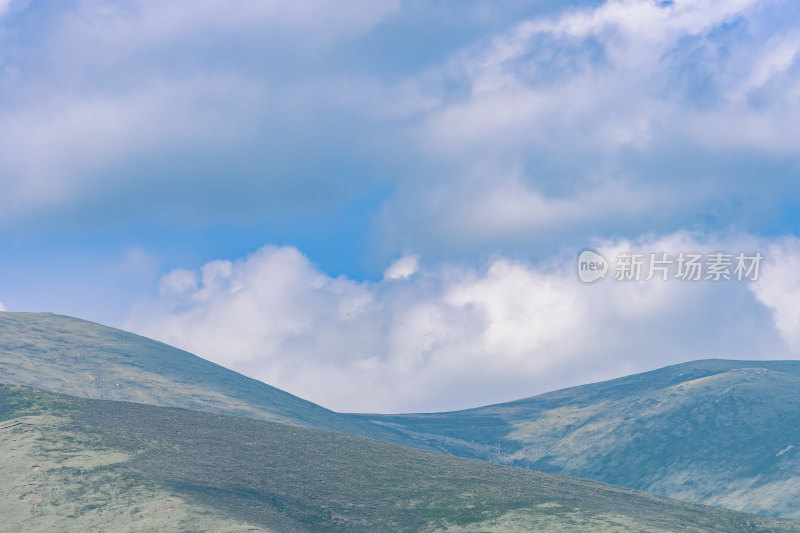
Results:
x,y
73,464
718,432
71,356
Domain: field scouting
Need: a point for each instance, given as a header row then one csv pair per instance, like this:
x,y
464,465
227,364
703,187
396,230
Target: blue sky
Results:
x,y
169,165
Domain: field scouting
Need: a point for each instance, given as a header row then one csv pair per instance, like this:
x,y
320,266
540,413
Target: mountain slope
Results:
x,y
71,356
74,464
717,432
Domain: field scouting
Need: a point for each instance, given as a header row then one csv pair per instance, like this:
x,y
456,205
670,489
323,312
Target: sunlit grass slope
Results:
x,y
718,432
71,356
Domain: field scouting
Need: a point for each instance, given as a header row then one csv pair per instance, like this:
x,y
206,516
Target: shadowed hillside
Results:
x,y
75,464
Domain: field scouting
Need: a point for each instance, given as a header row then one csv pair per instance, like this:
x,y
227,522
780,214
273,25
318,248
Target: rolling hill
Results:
x,y
719,432
72,356
74,464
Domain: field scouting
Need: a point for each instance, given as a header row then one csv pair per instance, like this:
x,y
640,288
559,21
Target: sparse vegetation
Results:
x,y
117,465
709,431
715,432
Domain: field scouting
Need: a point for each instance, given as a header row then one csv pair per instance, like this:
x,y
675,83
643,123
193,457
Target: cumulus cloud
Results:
x,y
403,268
451,337
2,307
614,76
607,118
780,290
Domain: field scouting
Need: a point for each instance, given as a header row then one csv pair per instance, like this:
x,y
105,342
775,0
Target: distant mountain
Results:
x,y
73,464
719,432
71,356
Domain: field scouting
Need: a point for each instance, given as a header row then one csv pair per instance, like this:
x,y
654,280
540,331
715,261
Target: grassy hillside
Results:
x,y
74,464
71,356
718,432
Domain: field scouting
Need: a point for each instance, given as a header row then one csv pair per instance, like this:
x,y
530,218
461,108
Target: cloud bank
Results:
x,y
452,337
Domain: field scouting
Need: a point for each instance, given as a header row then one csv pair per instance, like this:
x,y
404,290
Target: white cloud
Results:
x,y
403,268
83,135
563,125
2,307
115,98
542,82
555,126
451,337
780,289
